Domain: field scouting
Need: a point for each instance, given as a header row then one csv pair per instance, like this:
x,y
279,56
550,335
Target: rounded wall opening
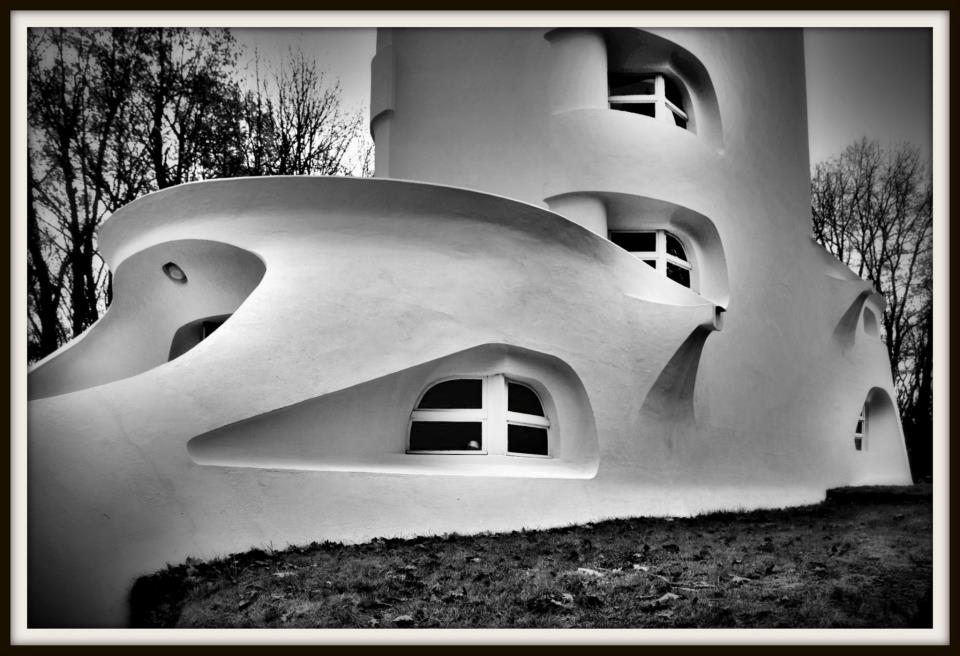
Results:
x,y
870,322
698,235
881,457
366,427
193,332
634,54
151,304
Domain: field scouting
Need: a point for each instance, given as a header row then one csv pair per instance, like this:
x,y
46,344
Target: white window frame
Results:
x,y
660,255
493,417
466,415
664,110
861,434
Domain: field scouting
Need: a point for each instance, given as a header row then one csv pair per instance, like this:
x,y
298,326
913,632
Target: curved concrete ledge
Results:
x,y
138,330
364,428
698,233
620,152
366,208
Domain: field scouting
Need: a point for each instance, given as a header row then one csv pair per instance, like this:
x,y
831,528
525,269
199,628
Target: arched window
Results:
x,y
655,95
479,416
659,249
860,434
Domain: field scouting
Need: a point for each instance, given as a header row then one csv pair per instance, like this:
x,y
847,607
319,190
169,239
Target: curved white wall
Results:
x,y
138,329
288,424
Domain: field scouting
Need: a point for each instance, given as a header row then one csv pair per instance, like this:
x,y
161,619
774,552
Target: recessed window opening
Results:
x,y
208,327
658,249
480,416
653,95
175,273
194,332
861,431
870,323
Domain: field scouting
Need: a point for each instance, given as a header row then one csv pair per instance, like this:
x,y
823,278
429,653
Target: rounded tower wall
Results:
x,y
531,114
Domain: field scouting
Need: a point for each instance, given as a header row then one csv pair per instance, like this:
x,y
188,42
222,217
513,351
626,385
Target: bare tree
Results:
x,y
872,208
76,113
296,122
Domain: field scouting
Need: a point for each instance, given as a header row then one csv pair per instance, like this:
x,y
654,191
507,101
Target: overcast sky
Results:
x,y
873,82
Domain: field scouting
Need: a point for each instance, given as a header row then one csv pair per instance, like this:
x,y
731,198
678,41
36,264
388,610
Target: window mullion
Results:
x,y
523,419
495,427
673,259
662,112
661,252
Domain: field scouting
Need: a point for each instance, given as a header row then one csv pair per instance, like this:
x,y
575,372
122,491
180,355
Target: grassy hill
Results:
x,y
863,558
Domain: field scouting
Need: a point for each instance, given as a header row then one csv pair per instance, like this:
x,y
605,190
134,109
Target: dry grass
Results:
x,y
854,561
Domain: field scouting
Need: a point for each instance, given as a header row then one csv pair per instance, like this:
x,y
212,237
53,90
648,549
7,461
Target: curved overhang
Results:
x,y
632,50
241,210
136,332
310,240
620,152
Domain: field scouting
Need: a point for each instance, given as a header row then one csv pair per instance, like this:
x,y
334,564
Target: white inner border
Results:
x,y
20,20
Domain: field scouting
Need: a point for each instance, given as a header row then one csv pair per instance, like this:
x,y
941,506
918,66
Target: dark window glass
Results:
x,y
635,241
463,393
445,436
652,263
858,443
209,327
643,109
527,439
678,274
860,426
523,399
672,91
675,248
630,85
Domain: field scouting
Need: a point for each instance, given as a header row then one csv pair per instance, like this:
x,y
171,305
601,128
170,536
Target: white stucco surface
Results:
x,y
349,297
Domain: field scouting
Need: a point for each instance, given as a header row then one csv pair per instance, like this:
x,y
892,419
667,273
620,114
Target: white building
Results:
x,y
581,286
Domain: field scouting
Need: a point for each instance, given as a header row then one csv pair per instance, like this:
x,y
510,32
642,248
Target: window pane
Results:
x,y
858,443
859,430
523,399
635,241
678,274
672,92
209,327
445,436
675,248
652,263
462,393
642,108
630,85
526,439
